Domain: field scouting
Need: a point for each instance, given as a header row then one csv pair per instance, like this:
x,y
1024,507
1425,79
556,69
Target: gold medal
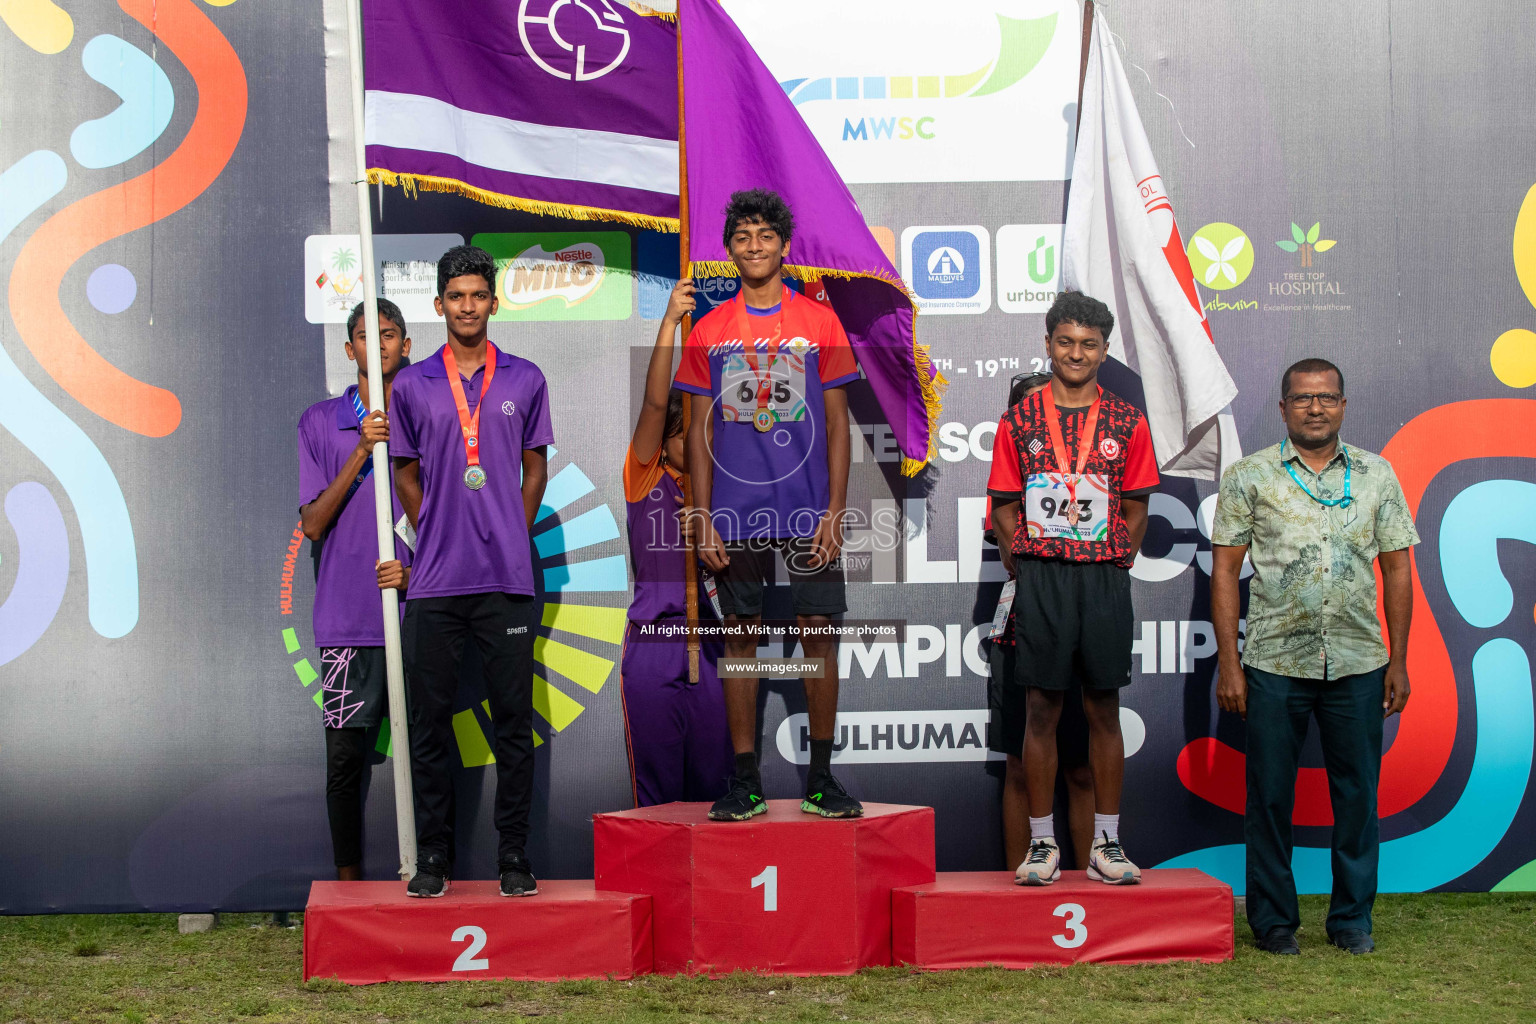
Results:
x,y
763,420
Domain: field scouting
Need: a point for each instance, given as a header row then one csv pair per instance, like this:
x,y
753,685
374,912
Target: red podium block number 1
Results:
x,y
769,880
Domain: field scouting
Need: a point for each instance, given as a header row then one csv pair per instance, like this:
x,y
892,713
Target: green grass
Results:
x,y
1443,958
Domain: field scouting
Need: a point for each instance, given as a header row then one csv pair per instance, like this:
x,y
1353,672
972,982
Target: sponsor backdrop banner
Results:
x,y
175,231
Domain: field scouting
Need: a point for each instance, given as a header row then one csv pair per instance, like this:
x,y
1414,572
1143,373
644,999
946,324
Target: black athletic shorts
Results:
x,y
353,687
1072,624
819,591
1008,703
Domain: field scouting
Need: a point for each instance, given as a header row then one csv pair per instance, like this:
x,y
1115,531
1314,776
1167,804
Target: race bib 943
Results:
x,y
1050,513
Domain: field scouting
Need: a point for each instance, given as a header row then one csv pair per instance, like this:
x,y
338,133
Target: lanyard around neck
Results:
x,y
1084,437
1343,502
470,425
760,375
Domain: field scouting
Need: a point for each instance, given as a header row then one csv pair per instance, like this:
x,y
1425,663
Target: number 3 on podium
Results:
x,y
769,880
1076,934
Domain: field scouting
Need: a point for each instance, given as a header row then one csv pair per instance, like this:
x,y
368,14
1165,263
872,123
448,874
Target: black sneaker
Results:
x,y
825,796
431,878
1356,941
741,801
517,878
1281,941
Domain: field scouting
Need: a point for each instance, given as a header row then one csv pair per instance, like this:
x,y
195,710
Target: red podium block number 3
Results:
x,y
769,880
1074,934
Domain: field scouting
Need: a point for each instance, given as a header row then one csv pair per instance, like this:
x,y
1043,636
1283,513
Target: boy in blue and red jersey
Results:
x,y
336,509
768,451
679,746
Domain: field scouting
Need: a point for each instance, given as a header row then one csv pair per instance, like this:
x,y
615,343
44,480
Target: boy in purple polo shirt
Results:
x,y
768,454
336,439
470,420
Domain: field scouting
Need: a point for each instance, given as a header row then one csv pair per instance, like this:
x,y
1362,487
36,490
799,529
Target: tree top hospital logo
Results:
x,y
577,40
947,268
1221,255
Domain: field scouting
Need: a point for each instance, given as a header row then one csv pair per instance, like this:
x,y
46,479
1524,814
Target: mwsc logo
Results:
x,y
909,91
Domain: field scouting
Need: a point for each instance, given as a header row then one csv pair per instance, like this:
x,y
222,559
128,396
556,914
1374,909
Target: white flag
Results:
x,y
1123,247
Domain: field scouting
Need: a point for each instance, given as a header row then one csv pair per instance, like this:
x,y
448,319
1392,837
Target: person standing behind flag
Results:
x,y
767,373
1081,461
1313,514
471,420
678,742
336,512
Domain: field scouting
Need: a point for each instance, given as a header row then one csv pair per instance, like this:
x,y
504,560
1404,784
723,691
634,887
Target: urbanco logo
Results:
x,y
910,91
598,41
1028,267
568,275
1221,255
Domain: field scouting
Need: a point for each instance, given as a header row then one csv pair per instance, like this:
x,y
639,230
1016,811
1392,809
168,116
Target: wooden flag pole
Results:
x,y
691,557
394,670
1082,65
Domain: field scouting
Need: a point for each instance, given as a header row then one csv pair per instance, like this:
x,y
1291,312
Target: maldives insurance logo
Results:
x,y
911,91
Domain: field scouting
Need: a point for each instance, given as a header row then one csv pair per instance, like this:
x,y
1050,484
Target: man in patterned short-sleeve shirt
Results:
x,y
1313,514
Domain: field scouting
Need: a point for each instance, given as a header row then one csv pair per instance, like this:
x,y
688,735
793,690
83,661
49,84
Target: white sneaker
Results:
x,y
1108,863
1042,866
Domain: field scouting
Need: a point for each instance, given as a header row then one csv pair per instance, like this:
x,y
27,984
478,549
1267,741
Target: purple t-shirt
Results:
x,y
768,483
656,546
470,542
348,612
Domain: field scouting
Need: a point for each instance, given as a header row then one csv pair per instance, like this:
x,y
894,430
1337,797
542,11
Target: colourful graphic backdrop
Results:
x,y
163,163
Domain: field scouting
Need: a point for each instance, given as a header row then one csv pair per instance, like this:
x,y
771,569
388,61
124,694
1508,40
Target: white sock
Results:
x,y
1104,825
1043,828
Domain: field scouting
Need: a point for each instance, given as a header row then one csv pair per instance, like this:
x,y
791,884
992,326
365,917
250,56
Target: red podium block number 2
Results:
x,y
474,938
769,880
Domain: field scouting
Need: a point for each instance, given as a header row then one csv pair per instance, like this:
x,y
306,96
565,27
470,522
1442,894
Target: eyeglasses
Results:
x,y
1328,400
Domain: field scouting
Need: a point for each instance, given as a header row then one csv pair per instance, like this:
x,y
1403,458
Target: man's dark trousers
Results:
x,y
503,627
1349,720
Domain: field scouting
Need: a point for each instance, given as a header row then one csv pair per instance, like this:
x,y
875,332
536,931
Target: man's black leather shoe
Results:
x,y
1281,941
1353,940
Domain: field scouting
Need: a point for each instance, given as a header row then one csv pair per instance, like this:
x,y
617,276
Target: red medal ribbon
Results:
x,y
748,345
1084,440
470,425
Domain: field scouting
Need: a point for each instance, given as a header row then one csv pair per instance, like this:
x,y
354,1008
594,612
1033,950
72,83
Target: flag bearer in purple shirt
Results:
x,y
768,453
471,425
679,745
336,439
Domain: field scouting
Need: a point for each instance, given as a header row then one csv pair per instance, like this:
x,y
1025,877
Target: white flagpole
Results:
x,y
405,810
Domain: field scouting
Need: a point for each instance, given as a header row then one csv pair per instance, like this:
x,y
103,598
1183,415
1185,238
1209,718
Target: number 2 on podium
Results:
x,y
769,880
468,961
